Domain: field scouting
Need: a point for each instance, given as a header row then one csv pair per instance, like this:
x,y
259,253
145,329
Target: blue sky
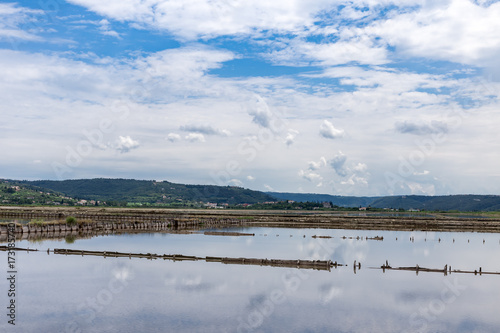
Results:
x,y
341,97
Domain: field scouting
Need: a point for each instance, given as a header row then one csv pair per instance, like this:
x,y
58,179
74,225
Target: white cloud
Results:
x,y
434,127
124,144
262,114
195,137
455,30
317,165
205,129
193,19
250,178
300,53
181,90
310,175
360,167
13,22
387,80
290,137
441,30
173,137
183,66
338,164
328,131
355,180
105,29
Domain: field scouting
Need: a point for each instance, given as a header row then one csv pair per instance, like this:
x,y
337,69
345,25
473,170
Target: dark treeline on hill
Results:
x,y
116,191
465,203
337,200
130,192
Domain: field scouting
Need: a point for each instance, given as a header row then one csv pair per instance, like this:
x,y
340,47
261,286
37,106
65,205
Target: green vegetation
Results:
x,y
148,193
70,239
337,200
70,220
37,222
445,203
163,194
19,194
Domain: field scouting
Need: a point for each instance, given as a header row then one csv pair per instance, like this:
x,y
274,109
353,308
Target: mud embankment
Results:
x,y
98,221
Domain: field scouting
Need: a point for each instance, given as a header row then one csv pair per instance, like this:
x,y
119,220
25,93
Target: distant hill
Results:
x,y
15,193
446,203
149,191
336,200
167,194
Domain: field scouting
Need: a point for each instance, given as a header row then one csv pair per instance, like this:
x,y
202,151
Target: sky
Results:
x,y
360,97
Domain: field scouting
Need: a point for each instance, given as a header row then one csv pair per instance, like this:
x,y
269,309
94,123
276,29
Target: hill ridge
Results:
x,y
123,191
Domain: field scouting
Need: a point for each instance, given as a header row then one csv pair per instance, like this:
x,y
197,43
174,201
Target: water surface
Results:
x,y
58,293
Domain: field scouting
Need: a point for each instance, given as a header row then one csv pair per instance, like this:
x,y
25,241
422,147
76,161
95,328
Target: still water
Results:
x,y
58,293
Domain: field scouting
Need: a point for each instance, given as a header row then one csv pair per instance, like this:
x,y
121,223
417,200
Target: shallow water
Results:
x,y
58,293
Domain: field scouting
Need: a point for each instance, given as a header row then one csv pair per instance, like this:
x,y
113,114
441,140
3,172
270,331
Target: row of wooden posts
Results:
x,y
117,223
301,264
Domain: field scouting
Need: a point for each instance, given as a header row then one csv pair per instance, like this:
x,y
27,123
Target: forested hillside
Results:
x,y
150,191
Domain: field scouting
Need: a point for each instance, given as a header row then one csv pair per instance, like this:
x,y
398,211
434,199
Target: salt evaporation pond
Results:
x,y
58,293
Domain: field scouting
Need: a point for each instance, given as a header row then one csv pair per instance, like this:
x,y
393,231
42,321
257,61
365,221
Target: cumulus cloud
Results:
x,y
338,164
204,129
262,115
73,89
124,144
355,180
261,118
360,167
313,165
328,131
195,137
290,137
310,175
434,127
173,137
